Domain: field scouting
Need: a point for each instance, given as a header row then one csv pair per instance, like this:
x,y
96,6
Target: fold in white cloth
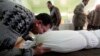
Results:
x,y
91,38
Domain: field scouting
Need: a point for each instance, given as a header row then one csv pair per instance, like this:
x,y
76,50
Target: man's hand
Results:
x,y
39,50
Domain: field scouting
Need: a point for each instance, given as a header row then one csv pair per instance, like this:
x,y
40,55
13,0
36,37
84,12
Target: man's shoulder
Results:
x,y
54,7
80,5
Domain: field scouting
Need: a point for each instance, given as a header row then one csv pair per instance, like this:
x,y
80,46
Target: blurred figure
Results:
x,y
17,21
96,20
90,18
55,14
79,18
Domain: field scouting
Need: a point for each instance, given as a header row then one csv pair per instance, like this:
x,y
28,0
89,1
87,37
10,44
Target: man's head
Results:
x,y
49,4
97,8
85,2
20,20
42,24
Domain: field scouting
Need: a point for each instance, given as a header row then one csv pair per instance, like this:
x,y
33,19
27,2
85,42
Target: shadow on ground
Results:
x,y
89,52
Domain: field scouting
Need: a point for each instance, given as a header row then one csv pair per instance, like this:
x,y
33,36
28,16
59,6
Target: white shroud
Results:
x,y
68,40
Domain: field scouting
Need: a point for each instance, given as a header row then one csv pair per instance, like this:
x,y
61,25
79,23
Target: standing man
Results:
x,y
90,19
94,18
16,21
55,14
79,18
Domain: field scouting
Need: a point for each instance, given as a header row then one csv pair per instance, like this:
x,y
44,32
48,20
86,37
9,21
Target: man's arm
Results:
x,y
38,50
17,52
58,15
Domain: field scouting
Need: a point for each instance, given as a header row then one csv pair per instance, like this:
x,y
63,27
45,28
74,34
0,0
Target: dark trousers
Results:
x,y
78,28
96,27
89,27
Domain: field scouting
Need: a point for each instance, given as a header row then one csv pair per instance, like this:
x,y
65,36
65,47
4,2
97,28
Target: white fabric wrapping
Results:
x,y
97,33
92,40
62,41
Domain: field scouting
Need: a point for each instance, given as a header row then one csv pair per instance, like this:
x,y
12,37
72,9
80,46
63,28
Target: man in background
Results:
x,y
55,14
90,18
94,18
79,18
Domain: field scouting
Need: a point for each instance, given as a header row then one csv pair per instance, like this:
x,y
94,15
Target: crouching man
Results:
x,y
16,21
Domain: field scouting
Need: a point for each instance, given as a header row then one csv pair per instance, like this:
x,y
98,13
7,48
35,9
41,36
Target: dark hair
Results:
x,y
49,2
45,18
